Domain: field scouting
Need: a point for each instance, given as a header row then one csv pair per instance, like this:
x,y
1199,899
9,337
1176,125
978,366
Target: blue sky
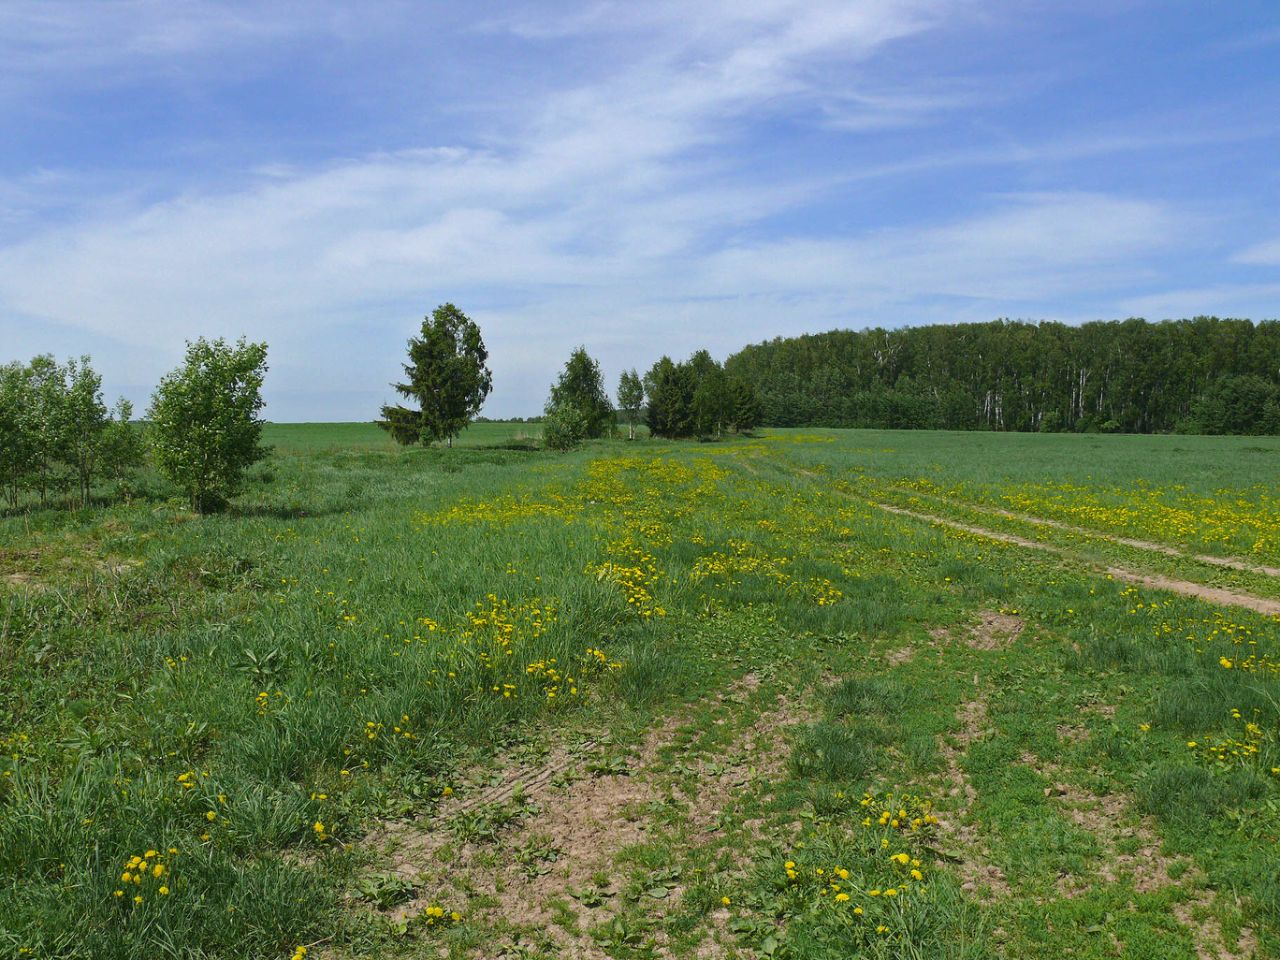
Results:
x,y
642,178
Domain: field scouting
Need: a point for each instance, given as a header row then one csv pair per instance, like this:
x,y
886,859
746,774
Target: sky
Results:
x,y
641,178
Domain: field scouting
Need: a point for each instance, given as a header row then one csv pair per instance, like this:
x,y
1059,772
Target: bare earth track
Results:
x,y
1187,588
1232,563
588,821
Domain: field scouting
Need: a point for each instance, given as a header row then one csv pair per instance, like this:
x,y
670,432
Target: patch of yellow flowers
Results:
x,y
1245,749
146,875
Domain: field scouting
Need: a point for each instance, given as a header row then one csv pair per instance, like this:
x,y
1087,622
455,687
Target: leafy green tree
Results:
x,y
85,422
630,399
204,425
49,418
18,431
446,377
581,386
54,428
121,446
1241,405
710,401
1129,376
1051,422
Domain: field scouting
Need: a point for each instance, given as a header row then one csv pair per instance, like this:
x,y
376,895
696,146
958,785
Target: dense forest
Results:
x,y
1203,375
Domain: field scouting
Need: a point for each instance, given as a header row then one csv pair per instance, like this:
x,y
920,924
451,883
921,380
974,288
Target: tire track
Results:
x,y
1188,588
1231,563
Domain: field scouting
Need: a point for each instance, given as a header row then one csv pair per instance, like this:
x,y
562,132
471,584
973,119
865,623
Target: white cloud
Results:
x,y
1035,248
1265,254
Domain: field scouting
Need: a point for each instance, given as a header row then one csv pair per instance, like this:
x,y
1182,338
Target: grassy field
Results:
x,y
305,438
653,700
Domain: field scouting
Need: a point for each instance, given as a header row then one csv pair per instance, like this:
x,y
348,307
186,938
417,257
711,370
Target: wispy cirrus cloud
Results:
x,y
1265,254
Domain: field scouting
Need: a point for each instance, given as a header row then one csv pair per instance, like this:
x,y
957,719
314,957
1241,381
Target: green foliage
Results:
x,y
446,377
55,431
122,445
204,425
1245,404
48,416
85,417
1201,375
711,400
630,399
670,388
744,405
698,398
564,427
1051,422
828,751
873,696
17,429
581,387
1180,794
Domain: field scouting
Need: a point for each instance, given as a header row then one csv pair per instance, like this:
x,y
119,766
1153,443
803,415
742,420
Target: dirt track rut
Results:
x,y
1187,588
1232,563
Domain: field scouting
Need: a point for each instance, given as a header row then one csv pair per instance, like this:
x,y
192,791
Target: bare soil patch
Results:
x,y
757,755
1210,943
900,656
1111,821
558,854
994,631
1072,732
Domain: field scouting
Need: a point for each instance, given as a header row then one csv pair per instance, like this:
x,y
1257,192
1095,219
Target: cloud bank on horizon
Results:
x,y
639,178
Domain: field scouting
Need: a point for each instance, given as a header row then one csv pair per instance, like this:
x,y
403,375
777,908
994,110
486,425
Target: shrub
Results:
x,y
564,428
204,420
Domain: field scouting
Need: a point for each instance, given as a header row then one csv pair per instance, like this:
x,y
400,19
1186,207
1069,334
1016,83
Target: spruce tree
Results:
x,y
446,377
710,401
670,387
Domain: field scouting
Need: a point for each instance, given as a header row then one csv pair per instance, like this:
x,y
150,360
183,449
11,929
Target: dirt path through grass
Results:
x,y
1232,563
1188,588
536,859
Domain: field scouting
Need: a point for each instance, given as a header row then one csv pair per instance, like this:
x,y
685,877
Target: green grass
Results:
x,y
265,690
305,438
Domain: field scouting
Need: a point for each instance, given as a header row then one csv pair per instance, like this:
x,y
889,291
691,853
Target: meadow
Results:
x,y
806,694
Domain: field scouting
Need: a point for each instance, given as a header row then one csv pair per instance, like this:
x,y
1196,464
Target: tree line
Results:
x,y
56,433
1203,375
202,430
446,380
694,398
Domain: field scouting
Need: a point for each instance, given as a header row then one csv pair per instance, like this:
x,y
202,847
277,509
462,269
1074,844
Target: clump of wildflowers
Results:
x,y
145,876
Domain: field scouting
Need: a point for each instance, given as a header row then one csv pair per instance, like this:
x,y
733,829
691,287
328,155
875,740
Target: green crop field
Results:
x,y
807,694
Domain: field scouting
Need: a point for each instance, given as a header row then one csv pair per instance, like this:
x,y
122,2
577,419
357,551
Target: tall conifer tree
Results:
x,y
446,377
